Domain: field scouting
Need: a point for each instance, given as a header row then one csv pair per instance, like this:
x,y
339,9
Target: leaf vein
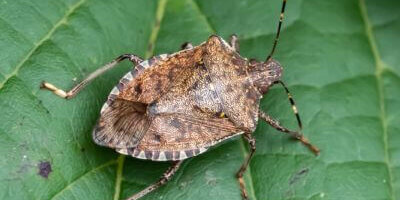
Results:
x,y
156,27
83,175
378,74
120,167
46,37
202,15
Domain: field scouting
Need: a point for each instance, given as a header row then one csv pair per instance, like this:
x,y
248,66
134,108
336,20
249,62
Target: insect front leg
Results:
x,y
234,42
164,179
275,123
71,93
239,174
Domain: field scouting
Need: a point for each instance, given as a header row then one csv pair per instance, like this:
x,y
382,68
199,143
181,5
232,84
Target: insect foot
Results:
x,y
75,90
166,177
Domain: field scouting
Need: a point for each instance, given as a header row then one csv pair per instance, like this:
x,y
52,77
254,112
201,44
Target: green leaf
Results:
x,y
341,61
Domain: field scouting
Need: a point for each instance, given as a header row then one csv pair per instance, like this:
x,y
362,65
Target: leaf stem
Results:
x,y
120,167
156,27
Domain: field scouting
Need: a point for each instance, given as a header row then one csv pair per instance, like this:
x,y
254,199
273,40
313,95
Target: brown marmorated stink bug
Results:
x,y
173,107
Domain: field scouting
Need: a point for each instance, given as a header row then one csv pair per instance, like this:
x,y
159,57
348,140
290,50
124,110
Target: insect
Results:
x,y
173,107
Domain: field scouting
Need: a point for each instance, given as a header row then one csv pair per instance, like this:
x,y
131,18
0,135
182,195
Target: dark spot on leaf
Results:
x,y
44,169
298,175
210,178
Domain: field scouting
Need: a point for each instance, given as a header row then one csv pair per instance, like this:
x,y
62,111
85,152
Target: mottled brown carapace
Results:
x,y
173,107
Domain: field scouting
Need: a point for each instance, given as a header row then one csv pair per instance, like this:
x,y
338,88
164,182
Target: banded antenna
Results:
x,y
279,30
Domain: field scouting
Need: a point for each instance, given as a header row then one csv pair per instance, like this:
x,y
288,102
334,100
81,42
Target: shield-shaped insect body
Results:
x,y
172,107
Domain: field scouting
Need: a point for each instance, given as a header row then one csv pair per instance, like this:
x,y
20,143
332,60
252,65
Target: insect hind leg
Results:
x,y
293,104
295,134
275,123
75,90
239,174
164,179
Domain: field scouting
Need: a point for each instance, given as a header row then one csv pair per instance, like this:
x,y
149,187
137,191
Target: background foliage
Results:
x,y
341,61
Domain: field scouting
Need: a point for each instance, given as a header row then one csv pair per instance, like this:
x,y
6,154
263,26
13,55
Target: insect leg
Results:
x,y
234,42
239,174
164,179
293,104
187,45
71,93
275,123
